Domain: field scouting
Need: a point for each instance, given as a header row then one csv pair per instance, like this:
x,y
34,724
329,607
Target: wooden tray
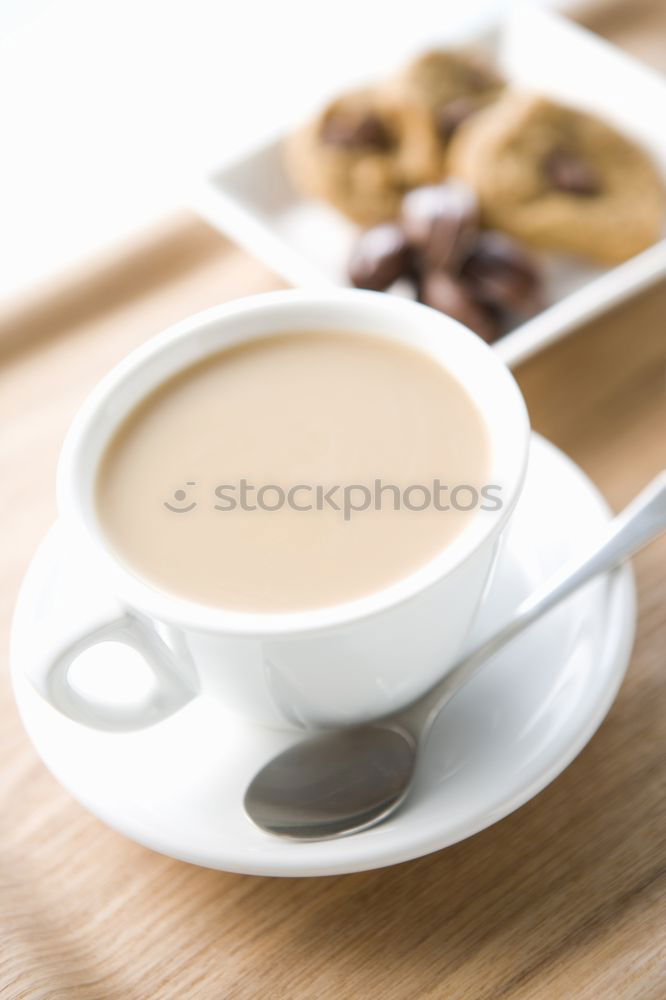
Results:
x,y
564,898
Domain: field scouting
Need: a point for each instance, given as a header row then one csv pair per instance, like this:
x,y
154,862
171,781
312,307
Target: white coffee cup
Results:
x,y
326,667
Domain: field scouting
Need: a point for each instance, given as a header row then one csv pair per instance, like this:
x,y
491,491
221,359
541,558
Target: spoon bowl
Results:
x,y
335,783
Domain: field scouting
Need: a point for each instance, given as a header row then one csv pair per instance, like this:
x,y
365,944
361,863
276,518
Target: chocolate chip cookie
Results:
x,y
364,151
453,84
559,178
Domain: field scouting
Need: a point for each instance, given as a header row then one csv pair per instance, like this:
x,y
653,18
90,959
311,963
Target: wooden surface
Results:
x,y
563,899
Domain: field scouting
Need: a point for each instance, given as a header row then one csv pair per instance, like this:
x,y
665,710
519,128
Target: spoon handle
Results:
x,y
641,521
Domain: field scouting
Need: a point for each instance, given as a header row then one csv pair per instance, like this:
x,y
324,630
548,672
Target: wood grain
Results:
x,y
563,899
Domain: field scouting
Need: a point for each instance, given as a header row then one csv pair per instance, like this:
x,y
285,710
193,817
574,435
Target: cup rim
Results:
x,y
509,432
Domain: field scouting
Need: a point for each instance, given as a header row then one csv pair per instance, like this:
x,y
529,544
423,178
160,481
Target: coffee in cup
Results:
x,y
294,471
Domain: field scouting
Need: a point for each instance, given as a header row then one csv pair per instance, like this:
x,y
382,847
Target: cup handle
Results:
x,y
170,692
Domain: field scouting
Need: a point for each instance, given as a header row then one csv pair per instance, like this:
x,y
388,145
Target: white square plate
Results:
x,y
251,199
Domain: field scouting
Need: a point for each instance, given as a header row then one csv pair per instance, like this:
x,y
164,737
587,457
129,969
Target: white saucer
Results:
x,y
178,787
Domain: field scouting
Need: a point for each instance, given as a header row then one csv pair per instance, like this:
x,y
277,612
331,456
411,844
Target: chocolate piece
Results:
x,y
568,171
500,274
443,292
356,131
449,116
440,220
380,256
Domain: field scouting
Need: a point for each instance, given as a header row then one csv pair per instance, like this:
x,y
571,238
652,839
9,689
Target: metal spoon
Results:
x,y
345,780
